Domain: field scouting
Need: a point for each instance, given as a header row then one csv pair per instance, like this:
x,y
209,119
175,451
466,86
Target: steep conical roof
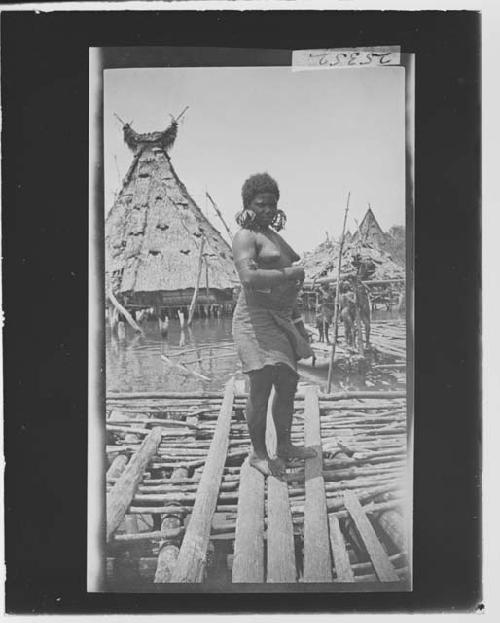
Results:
x,y
369,231
154,229
369,240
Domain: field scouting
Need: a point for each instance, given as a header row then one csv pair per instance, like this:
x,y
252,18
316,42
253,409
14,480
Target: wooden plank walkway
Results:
x,y
317,559
248,562
313,527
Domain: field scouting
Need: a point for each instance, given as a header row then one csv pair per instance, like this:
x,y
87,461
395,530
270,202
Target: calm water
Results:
x,y
135,363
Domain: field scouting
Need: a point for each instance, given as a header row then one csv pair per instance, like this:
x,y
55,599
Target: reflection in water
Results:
x,y
135,364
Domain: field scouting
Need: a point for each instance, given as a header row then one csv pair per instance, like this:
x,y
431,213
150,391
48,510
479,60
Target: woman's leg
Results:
x,y
261,382
285,384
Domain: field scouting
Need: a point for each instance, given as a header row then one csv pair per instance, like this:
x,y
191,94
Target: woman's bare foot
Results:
x,y
269,467
277,467
297,452
260,463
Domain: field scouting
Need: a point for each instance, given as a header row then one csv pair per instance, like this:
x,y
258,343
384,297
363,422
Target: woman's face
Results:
x,y
265,206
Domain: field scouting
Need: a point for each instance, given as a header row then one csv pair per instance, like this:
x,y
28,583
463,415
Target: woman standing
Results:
x,y
267,327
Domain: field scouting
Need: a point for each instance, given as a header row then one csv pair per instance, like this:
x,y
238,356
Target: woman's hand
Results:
x,y
295,273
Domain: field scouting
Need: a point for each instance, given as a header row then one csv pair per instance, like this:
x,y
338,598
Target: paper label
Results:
x,y
340,58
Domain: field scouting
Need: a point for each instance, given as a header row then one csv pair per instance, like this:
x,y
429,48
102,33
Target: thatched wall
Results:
x,y
154,232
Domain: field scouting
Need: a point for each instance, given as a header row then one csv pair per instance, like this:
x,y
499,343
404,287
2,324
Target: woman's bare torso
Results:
x,y
272,251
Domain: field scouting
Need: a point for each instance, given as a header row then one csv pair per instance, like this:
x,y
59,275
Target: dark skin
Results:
x,y
248,247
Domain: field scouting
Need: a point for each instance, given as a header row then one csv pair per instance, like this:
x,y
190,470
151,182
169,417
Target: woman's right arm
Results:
x,y
245,259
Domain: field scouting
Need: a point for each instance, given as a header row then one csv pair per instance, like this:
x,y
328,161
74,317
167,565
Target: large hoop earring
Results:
x,y
279,220
245,218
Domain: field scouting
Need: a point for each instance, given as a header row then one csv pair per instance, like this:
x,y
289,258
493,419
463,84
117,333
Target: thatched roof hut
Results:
x,y
155,229
369,239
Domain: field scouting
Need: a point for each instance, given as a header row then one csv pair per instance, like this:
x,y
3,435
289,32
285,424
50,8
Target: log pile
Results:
x,y
363,443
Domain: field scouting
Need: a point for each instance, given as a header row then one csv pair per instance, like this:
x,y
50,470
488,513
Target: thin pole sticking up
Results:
x,y
195,293
178,118
206,283
337,300
119,119
218,212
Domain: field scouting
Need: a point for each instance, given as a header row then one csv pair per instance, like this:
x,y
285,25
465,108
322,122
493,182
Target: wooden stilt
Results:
x,y
198,277
180,313
206,285
121,330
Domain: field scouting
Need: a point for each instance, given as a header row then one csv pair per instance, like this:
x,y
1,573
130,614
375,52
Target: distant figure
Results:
x,y
267,327
365,268
347,312
324,313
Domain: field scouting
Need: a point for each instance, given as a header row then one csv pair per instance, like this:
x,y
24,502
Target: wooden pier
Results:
x,y
184,506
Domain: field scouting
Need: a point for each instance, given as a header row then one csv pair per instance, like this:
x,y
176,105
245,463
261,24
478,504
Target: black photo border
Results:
x,y
45,248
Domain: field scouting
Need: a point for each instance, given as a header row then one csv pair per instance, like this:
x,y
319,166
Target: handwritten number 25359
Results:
x,y
353,58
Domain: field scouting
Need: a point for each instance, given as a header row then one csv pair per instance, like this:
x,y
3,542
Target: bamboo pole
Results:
x,y
198,277
183,368
337,300
218,212
125,313
206,285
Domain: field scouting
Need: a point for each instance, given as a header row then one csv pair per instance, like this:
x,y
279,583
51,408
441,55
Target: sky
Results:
x,y
320,133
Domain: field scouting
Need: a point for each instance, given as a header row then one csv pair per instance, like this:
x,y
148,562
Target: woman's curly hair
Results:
x,y
254,185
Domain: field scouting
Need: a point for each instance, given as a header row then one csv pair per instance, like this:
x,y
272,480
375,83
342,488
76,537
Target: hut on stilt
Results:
x,y
159,245
369,240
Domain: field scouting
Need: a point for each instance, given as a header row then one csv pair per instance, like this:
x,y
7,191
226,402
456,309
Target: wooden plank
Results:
x,y
280,542
381,563
124,489
339,552
191,561
117,466
248,562
317,559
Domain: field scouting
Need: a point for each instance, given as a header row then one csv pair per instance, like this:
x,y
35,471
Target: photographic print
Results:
x,y
256,325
